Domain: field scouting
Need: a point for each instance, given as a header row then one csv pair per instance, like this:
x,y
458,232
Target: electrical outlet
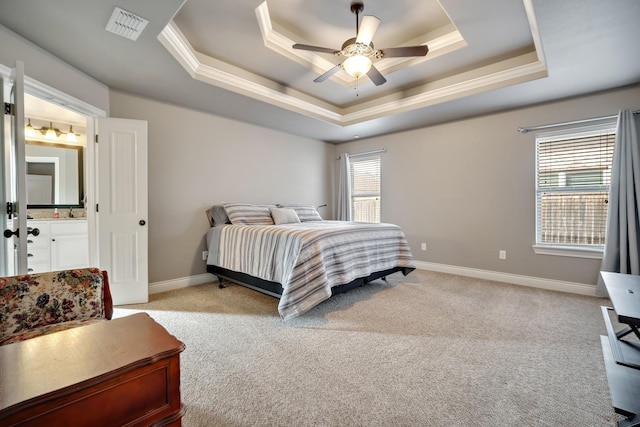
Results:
x,y
205,255
423,246
502,254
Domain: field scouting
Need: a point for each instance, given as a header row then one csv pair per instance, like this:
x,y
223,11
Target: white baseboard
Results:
x,y
170,285
515,279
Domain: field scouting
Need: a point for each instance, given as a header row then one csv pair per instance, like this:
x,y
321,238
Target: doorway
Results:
x,y
55,149
71,123
115,243
56,142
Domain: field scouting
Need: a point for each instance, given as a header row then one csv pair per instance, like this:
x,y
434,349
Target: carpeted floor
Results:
x,y
429,349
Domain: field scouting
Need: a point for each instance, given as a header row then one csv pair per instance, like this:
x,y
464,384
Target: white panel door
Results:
x,y
123,207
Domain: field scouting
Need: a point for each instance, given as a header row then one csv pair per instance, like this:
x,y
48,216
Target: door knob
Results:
x,y
8,233
142,222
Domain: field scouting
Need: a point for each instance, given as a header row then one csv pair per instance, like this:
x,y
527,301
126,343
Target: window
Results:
x,y
365,188
573,175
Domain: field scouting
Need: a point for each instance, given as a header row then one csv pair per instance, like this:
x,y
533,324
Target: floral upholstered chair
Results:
x,y
37,304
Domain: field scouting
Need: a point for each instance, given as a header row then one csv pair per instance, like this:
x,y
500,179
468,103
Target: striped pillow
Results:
x,y
305,213
245,214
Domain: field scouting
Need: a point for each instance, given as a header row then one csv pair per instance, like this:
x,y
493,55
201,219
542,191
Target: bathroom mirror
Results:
x,y
55,175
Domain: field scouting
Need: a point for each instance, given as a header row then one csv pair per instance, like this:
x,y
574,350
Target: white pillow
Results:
x,y
284,216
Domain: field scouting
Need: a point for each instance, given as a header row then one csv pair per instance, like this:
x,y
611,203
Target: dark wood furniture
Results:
x,y
621,349
119,372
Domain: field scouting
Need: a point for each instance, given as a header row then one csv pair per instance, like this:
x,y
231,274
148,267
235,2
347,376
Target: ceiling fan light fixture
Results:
x,y
357,65
359,51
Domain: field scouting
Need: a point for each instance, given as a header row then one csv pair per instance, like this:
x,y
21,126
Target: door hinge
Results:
x,y
97,210
10,109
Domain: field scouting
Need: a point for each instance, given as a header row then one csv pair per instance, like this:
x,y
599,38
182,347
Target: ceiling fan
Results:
x,y
359,51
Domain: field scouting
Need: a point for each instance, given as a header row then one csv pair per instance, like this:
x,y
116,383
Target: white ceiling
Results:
x,y
234,58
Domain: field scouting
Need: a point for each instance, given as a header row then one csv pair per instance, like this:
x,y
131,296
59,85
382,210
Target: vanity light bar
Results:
x,y
50,132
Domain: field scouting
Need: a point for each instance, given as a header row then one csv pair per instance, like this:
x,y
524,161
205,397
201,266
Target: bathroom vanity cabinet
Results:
x,y
62,244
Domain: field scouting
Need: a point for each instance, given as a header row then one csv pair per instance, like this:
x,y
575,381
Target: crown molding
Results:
x,y
525,67
494,76
221,74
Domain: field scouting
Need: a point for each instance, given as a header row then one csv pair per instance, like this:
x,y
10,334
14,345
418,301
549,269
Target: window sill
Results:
x,y
570,251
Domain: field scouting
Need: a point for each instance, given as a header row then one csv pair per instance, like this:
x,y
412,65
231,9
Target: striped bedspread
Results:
x,y
309,258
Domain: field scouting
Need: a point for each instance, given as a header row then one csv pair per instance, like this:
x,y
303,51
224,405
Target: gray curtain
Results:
x,y
622,242
344,189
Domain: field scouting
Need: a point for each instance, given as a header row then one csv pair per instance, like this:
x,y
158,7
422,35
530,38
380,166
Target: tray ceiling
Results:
x,y
234,58
456,65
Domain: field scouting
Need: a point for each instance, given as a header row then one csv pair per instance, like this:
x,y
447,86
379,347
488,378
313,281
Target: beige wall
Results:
x,y
197,160
48,69
467,188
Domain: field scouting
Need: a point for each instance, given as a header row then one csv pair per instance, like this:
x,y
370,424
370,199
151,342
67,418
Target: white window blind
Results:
x,y
365,188
573,175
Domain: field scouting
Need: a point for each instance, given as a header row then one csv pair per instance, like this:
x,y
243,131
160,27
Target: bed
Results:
x,y
291,253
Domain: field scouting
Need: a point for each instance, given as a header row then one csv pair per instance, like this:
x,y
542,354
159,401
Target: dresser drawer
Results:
x,y
38,267
42,239
69,227
37,254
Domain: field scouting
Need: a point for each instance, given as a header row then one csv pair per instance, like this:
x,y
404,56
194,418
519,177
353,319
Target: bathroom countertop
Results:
x,y
58,219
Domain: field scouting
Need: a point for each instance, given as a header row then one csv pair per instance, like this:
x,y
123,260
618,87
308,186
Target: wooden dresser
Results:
x,y
124,371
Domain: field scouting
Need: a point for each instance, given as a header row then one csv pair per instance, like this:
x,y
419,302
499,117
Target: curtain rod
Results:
x,y
366,153
574,122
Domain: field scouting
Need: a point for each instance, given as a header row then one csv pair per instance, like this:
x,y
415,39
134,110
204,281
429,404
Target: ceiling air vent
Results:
x,y
126,24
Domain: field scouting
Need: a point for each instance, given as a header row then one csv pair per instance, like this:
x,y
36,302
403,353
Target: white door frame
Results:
x,y
43,91
5,246
20,174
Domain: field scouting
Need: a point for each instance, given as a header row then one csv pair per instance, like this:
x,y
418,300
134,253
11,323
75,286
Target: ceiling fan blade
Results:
x,y
375,76
328,74
367,29
395,52
315,48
